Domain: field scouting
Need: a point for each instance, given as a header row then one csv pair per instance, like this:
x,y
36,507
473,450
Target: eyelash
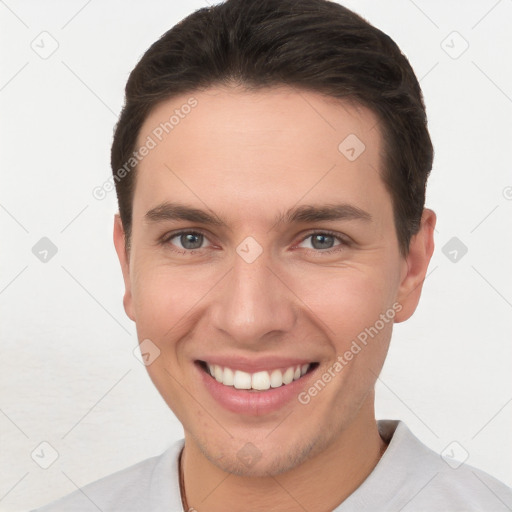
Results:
x,y
165,241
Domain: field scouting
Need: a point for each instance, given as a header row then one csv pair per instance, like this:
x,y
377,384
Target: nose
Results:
x,y
254,303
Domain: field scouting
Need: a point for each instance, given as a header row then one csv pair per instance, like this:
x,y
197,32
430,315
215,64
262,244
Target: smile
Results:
x,y
260,381
255,387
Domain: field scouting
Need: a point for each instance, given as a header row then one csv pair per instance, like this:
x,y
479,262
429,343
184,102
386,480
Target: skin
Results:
x,y
247,156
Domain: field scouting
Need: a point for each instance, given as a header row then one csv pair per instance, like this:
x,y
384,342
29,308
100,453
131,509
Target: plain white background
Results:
x,y
68,375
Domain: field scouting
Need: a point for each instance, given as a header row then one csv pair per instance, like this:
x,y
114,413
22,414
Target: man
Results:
x,y
270,164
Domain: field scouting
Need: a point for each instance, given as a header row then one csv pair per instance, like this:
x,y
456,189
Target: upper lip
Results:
x,y
256,364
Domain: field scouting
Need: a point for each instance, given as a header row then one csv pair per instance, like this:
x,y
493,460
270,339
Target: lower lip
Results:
x,y
253,403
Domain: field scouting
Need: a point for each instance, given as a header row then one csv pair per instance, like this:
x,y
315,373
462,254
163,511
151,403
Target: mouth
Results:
x,y
259,389
263,380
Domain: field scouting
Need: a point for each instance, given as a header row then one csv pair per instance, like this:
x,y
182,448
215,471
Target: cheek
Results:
x,y
346,302
166,298
159,301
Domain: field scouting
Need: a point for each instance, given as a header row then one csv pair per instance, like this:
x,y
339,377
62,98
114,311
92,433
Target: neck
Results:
x,y
319,484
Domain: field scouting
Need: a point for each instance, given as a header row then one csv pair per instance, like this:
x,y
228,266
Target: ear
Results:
x,y
416,263
124,260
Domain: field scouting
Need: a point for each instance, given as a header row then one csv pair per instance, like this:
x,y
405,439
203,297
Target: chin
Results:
x,y
244,458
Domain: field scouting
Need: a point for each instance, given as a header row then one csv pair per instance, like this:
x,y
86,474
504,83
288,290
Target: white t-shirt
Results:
x,y
409,477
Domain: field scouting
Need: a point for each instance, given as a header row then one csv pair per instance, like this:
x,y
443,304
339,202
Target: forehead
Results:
x,y
257,149
271,115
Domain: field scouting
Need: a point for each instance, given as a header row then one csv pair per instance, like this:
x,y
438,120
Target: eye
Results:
x,y
324,241
185,240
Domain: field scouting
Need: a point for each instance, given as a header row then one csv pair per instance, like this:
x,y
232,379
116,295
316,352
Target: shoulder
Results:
x,y
412,477
467,488
144,486
447,482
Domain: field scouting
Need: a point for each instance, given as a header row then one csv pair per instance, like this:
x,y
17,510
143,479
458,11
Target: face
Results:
x,y
263,247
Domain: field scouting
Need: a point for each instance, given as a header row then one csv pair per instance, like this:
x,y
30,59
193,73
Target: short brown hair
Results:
x,y
315,45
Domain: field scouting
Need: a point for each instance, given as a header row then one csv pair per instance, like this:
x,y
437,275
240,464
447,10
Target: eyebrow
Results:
x,y
168,211
174,211
318,213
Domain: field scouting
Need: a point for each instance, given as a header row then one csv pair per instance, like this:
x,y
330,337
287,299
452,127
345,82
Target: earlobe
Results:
x,y
421,249
123,255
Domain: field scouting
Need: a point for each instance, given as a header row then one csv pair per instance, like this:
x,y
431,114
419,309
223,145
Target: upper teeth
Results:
x,y
260,380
